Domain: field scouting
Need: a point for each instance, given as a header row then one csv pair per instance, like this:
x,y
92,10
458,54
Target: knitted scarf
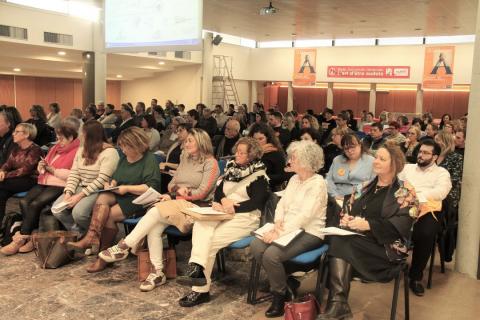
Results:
x,y
235,172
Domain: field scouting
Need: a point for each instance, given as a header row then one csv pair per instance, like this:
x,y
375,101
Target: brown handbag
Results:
x,y
145,267
306,308
51,248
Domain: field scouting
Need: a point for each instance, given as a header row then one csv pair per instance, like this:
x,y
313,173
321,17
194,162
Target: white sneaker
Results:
x,y
153,280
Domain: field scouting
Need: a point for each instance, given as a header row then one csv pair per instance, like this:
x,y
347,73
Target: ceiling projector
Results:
x,y
265,11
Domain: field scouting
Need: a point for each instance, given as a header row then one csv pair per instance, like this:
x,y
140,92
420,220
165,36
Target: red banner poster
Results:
x,y
304,68
385,72
438,67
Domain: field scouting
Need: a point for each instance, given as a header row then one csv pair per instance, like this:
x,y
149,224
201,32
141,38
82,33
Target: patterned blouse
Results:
x,y
22,162
453,162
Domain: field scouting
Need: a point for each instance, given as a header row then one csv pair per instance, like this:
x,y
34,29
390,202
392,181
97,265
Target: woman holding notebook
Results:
x,y
242,192
193,181
303,206
135,173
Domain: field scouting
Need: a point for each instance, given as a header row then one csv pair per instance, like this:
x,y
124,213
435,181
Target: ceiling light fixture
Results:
x,y
161,63
119,76
61,53
17,69
268,11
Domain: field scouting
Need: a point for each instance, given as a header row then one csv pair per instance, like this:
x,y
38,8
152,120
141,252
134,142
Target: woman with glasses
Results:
x,y
410,146
169,136
54,171
351,169
18,173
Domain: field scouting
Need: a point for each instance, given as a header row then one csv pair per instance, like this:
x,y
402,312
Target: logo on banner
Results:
x,y
438,67
304,69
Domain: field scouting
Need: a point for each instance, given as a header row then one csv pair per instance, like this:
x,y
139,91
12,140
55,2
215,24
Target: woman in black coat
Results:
x,y
382,214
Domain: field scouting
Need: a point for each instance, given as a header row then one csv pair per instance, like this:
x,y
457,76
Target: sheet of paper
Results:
x,y
266,228
59,207
280,193
148,197
205,210
106,190
334,231
286,239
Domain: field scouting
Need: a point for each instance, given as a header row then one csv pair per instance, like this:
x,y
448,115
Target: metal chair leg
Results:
x,y
441,250
393,311
432,261
406,284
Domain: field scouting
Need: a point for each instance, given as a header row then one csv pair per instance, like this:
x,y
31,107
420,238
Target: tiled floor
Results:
x,y
29,292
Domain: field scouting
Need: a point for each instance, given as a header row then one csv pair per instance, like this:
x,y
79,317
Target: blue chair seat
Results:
x,y
131,221
173,231
20,194
242,243
310,256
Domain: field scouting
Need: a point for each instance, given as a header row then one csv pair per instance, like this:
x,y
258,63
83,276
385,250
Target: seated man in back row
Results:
x,y
432,184
223,144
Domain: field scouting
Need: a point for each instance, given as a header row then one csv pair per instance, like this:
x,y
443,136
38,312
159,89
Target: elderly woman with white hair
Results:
x,y
303,206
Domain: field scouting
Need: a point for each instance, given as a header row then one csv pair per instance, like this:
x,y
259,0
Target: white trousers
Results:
x,y
210,236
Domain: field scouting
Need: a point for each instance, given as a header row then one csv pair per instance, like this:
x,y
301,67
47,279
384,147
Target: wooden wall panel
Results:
x,y
77,93
309,98
26,95
7,93
64,96
114,92
460,104
395,101
270,96
44,91
282,99
441,102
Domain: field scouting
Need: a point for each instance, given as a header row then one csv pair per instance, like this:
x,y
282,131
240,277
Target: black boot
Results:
x,y
339,281
194,276
194,298
277,307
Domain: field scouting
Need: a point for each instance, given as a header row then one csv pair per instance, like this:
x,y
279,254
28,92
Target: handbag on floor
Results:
x,y
306,308
145,267
51,248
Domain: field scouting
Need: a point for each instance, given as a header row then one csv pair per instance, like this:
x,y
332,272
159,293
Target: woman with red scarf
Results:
x,y
54,171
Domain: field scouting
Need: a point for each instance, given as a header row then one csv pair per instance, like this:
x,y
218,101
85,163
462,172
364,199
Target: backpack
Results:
x,y
13,223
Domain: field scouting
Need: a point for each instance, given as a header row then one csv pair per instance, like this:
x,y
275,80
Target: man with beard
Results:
x,y
432,184
223,144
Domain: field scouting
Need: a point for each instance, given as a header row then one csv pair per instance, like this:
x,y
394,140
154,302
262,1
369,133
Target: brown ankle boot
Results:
x,y
12,248
92,238
106,240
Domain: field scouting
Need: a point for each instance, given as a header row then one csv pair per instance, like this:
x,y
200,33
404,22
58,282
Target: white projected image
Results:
x,y
136,25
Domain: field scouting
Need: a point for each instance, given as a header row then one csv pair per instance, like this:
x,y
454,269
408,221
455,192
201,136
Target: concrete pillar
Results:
x,y
88,83
290,96
207,70
467,254
100,62
252,89
372,98
419,100
330,95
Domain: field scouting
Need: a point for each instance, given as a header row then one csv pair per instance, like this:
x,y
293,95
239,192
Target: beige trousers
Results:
x,y
154,222
211,236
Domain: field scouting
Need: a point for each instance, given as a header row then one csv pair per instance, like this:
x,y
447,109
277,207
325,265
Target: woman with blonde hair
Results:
x,y
135,173
242,192
410,146
193,181
309,121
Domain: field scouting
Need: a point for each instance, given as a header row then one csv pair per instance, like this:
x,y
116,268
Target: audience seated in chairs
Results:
x,y
45,133
223,144
350,170
304,206
169,136
393,133
135,173
54,171
273,155
18,173
410,146
275,121
432,185
54,119
208,123
108,118
333,149
92,167
242,192
126,114
384,220
147,122
374,140
194,181
7,126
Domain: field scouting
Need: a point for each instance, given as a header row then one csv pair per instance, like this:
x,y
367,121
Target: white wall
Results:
x,y
183,85
38,21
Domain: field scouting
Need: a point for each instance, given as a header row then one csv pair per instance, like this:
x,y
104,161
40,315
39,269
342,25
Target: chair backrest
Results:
x,y
268,212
